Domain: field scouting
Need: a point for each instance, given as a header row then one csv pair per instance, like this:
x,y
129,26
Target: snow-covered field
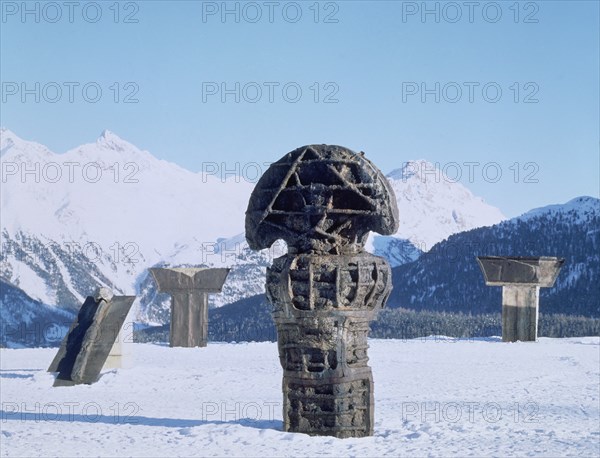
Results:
x,y
434,397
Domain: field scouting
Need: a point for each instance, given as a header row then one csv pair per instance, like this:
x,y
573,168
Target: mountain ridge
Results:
x,y
143,212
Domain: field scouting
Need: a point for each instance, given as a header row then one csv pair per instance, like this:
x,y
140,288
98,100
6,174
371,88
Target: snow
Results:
x,y
432,206
26,279
110,192
434,397
578,209
64,272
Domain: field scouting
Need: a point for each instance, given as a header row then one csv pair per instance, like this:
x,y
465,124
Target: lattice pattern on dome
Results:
x,y
320,198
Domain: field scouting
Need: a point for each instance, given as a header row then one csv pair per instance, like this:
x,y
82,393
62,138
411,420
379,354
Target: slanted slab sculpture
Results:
x,y
86,346
189,288
521,279
323,200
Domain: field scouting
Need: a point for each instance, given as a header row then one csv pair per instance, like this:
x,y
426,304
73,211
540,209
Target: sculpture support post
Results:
x,y
323,200
521,279
520,312
189,318
189,289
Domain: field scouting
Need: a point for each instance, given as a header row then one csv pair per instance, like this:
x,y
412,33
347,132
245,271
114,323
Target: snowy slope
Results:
x,y
433,207
577,210
137,198
110,208
433,397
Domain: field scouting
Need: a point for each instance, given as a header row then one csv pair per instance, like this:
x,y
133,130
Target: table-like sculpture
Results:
x,y
189,288
323,200
521,279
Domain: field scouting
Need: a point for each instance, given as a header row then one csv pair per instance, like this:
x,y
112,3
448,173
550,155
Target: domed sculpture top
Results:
x,y
320,199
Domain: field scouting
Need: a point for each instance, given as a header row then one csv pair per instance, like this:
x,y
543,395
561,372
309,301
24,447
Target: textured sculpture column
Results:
x,y
521,279
323,200
189,289
86,347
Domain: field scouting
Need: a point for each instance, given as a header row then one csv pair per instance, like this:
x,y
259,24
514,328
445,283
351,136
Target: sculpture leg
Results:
x,y
520,313
189,319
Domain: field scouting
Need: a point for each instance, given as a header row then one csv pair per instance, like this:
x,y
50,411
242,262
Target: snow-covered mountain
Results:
x,y
432,207
111,192
102,213
578,210
114,207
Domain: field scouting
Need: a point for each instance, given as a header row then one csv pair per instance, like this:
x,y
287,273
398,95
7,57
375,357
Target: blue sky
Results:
x,y
372,64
